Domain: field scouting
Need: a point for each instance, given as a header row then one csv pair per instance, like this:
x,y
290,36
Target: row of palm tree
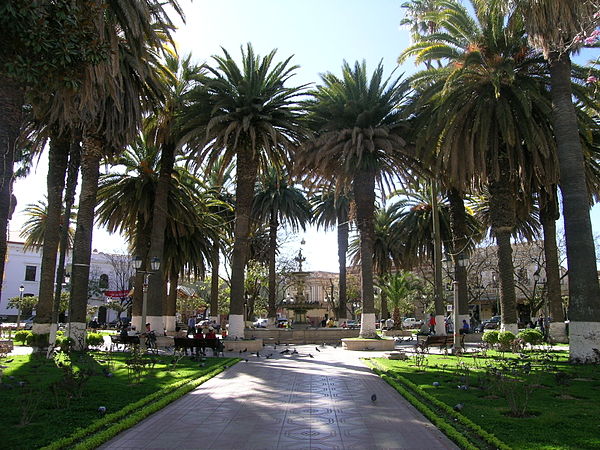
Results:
x,y
479,118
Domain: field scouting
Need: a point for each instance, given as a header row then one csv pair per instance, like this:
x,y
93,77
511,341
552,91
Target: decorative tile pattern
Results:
x,y
288,402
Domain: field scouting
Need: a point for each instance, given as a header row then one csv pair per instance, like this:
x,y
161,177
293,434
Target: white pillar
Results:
x,y
156,324
136,321
558,332
512,327
170,323
440,324
40,328
77,332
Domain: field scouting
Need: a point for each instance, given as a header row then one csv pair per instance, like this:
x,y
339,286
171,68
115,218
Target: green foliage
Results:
x,y
490,337
64,343
505,339
531,336
22,336
37,340
94,339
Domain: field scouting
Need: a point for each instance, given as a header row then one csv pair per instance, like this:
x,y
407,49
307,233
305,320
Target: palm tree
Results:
x,y
331,208
277,201
569,19
163,129
248,114
358,143
388,250
36,224
490,66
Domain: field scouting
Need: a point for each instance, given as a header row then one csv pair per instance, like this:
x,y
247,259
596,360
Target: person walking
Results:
x,y
431,324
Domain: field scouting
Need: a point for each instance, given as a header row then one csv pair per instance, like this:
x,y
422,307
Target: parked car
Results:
x,y
260,323
411,322
488,324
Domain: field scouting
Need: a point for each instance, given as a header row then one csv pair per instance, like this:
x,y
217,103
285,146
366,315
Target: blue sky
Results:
x,y
319,33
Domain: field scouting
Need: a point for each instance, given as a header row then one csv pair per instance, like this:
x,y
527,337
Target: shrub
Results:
x,y
505,339
490,337
21,336
94,339
38,340
531,336
64,343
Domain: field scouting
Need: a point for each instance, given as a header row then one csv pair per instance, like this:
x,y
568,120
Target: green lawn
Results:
x,y
41,405
563,411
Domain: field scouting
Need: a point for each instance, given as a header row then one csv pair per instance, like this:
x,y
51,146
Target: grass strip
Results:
x,y
135,412
406,387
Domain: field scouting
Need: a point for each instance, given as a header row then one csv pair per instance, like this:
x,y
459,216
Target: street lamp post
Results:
x,y
21,289
462,260
154,265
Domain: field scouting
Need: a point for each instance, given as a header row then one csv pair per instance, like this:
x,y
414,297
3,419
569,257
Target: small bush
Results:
x,y
64,343
531,336
505,339
94,339
38,340
490,337
21,336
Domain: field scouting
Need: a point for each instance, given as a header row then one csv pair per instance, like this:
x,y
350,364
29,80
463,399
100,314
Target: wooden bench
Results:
x,y
125,341
435,341
200,344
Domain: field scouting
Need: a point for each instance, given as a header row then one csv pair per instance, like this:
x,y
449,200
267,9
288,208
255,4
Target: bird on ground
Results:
x,y
9,360
311,355
245,350
287,350
459,407
101,409
373,397
274,346
269,355
295,352
317,349
257,354
246,360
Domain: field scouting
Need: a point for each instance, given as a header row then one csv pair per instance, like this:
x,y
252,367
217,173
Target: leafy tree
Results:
x,y
35,226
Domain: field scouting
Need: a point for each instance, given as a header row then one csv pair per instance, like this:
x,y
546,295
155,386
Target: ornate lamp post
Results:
x,y
154,265
21,289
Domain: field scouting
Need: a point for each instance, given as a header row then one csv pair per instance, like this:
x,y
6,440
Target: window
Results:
x,y
30,272
103,283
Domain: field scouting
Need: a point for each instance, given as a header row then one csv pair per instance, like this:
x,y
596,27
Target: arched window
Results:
x,y
103,283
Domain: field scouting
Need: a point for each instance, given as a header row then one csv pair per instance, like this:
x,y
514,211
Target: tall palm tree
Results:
x,y
36,224
358,143
246,113
163,129
277,201
332,208
489,67
570,19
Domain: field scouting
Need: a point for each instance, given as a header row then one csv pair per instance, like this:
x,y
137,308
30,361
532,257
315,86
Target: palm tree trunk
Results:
x,y
11,106
584,291
273,225
58,156
459,244
548,216
214,281
342,239
82,247
142,248
63,247
503,217
438,288
385,313
247,168
157,281
364,196
171,303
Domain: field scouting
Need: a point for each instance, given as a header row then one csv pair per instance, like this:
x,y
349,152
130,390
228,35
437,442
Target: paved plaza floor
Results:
x,y
289,401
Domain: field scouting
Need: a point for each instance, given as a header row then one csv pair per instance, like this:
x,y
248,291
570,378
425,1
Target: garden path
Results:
x,y
292,402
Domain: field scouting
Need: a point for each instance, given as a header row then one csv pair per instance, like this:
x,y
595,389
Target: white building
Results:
x,y
110,276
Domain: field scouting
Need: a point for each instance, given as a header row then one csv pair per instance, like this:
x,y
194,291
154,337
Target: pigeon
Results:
x,y
269,355
458,407
463,387
240,352
246,360
295,352
317,349
287,350
311,355
275,347
245,350
229,349
436,383
102,409
9,360
109,375
373,397
257,354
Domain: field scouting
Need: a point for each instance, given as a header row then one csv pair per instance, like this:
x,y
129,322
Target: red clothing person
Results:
x,y
431,323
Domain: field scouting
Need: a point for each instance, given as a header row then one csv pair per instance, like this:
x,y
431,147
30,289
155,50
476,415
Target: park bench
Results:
x,y
126,341
435,341
200,344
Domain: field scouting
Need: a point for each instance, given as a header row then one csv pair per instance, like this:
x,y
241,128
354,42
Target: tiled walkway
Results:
x,y
291,402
